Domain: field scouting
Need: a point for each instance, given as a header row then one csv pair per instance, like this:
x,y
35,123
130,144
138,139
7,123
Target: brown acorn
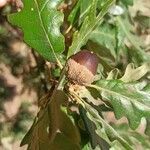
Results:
x,y
82,67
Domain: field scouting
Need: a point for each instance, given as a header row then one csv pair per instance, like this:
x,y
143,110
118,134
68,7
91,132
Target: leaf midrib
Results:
x,y
43,27
103,33
133,100
107,126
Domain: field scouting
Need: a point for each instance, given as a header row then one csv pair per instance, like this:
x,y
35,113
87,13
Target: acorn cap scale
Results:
x,y
82,67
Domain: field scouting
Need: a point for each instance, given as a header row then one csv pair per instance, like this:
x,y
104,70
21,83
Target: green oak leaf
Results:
x,y
95,139
105,35
133,74
127,99
134,138
40,22
82,6
127,2
147,130
91,21
104,130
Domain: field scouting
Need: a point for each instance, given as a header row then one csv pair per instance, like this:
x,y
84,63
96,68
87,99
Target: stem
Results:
x,y
95,87
78,99
59,64
60,82
67,31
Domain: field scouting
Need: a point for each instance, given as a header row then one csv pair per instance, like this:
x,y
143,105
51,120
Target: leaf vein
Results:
x,y
44,5
60,65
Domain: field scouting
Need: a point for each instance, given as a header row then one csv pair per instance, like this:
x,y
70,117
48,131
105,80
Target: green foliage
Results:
x,y
52,128
105,35
127,2
73,119
134,74
136,139
90,23
40,22
104,130
134,40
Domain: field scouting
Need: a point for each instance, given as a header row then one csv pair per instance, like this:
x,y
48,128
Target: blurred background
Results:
x,y
21,81
23,73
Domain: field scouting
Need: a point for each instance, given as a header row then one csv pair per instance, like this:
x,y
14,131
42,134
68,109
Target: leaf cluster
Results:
x,y
63,124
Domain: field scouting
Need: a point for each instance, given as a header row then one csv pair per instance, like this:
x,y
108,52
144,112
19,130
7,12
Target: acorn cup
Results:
x,y
82,67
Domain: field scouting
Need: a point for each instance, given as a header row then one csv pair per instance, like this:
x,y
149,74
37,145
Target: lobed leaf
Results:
x,y
134,138
127,99
40,22
127,2
147,130
95,139
104,130
133,74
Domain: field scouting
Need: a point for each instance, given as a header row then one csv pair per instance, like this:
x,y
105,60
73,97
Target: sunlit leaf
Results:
x,y
127,99
89,24
83,7
105,35
40,22
94,138
134,74
104,130
135,139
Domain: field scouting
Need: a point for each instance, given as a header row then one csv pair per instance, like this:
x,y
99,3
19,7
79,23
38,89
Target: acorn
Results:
x,y
82,67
